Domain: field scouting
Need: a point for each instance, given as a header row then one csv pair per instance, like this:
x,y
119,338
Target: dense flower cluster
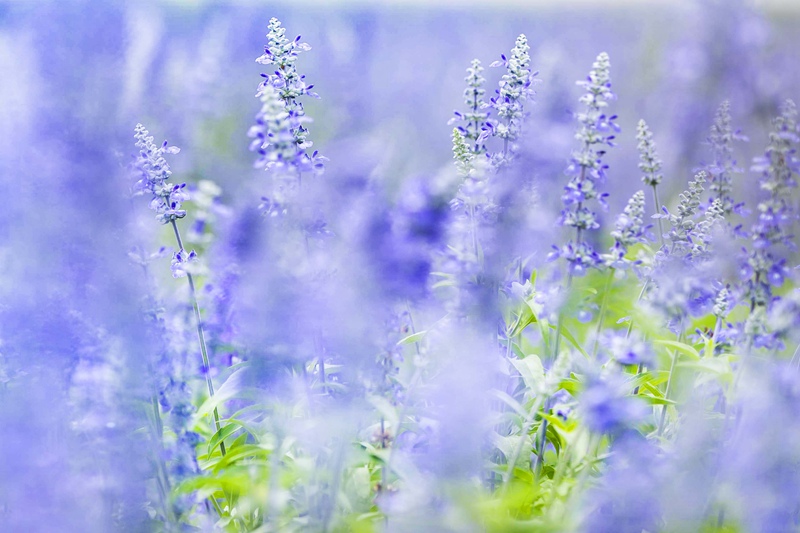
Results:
x,y
587,168
474,128
516,89
649,163
280,136
723,168
766,267
153,177
629,229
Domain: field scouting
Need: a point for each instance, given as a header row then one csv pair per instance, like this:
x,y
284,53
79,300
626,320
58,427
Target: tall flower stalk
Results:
x,y
650,165
766,264
279,135
474,119
166,199
723,167
516,89
587,169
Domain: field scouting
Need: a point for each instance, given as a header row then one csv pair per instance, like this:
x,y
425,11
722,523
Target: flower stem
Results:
x,y
658,212
602,311
669,382
200,337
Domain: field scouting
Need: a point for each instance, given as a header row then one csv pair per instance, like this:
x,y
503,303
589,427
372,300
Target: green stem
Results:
x,y
669,383
557,344
512,461
602,311
658,212
200,337
639,299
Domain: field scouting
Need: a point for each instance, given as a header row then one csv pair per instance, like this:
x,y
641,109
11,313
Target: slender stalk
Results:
x,y
200,337
162,477
415,377
795,360
638,299
658,212
602,311
512,461
669,382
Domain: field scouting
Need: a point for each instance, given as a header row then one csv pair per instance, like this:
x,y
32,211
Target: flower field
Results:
x,y
492,268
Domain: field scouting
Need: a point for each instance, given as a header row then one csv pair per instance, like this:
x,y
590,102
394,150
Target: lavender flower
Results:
x,y
605,406
629,230
649,163
587,167
475,119
702,232
462,153
154,173
516,88
626,349
724,166
682,222
280,135
765,268
721,303
283,53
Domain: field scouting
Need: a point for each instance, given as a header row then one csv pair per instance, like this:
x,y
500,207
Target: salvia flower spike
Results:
x,y
280,136
723,167
586,169
474,129
766,268
650,165
516,89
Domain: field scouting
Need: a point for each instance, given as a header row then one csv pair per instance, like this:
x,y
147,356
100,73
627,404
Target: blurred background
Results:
x,y
78,75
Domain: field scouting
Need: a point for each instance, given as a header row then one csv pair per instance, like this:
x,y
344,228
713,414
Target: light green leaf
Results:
x,y
531,370
681,347
411,339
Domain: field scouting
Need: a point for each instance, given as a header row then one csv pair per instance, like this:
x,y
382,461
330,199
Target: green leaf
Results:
x,y
525,319
411,339
511,402
232,426
681,347
239,453
567,335
655,396
713,365
531,370
232,388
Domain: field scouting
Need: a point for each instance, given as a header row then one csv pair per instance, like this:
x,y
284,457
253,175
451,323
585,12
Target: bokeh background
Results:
x,y
78,75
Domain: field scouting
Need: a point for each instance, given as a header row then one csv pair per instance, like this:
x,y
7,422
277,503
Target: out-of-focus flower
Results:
x,y
723,167
629,230
626,349
606,407
649,163
766,268
474,129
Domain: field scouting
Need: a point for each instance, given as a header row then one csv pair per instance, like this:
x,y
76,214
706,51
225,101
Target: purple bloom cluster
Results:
x,y
586,167
153,174
279,135
723,167
765,267
516,88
